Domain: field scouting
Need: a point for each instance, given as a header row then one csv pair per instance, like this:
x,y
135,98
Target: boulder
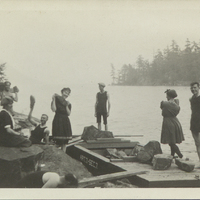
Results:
x,y
136,149
111,153
15,163
55,160
114,153
146,154
92,133
184,165
22,121
162,161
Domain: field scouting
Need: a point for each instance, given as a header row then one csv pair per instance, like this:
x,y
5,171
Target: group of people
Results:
x,y
10,136
61,127
172,132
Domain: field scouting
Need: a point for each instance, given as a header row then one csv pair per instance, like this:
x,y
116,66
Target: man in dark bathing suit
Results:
x,y
102,102
41,131
195,117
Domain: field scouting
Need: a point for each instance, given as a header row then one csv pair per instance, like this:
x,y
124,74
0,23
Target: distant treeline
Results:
x,y
172,66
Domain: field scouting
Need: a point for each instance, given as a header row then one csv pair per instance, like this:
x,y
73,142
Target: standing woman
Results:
x,y
171,128
61,127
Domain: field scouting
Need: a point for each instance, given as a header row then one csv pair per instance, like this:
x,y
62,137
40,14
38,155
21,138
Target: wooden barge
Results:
x,y
92,155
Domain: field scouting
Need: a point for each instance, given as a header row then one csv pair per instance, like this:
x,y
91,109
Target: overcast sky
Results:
x,y
76,41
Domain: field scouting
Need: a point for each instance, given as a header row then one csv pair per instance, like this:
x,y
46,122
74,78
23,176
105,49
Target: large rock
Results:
x,y
184,165
22,121
92,133
15,163
146,154
55,160
162,161
135,150
114,153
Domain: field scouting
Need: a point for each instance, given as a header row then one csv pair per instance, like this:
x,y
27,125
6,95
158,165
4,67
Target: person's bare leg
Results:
x,y
106,127
99,126
63,147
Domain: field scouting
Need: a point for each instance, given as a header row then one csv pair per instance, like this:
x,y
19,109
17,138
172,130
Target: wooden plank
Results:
x,y
129,136
106,141
110,145
109,139
116,160
74,142
108,177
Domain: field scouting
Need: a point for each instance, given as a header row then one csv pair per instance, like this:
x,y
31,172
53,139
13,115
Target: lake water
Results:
x,y
135,110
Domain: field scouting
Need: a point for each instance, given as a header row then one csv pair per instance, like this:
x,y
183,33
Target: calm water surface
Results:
x,y
135,110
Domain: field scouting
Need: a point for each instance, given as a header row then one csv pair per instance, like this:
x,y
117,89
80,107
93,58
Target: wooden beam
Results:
x,y
108,177
128,136
109,139
106,141
110,145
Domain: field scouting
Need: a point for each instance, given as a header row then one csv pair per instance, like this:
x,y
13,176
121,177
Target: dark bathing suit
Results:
x,y
195,118
37,134
101,107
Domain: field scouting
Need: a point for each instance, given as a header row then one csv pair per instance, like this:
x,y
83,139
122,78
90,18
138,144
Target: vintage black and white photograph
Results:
x,y
100,96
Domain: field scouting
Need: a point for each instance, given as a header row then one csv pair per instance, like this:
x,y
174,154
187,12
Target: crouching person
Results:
x,y
8,136
44,179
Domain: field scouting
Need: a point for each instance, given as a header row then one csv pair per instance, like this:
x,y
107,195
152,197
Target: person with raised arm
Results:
x,y
40,134
171,132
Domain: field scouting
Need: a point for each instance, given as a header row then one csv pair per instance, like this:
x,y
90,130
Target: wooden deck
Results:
x,y
91,155
172,177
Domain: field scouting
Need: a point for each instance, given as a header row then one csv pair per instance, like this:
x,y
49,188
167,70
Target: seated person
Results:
x,y
44,179
8,136
41,132
8,92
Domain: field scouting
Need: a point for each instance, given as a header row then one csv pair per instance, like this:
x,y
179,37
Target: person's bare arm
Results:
x,y
46,138
95,107
31,119
15,97
109,104
68,109
53,103
11,131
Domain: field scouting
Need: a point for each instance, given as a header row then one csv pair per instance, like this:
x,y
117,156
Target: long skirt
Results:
x,y
61,129
171,131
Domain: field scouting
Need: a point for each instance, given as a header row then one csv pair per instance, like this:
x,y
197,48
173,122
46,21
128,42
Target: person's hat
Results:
x,y
6,101
102,84
171,93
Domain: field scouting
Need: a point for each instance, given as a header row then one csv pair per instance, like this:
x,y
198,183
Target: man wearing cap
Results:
x,y
102,106
195,117
8,136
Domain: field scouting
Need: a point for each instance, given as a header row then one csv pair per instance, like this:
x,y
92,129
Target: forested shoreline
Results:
x,y
170,66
